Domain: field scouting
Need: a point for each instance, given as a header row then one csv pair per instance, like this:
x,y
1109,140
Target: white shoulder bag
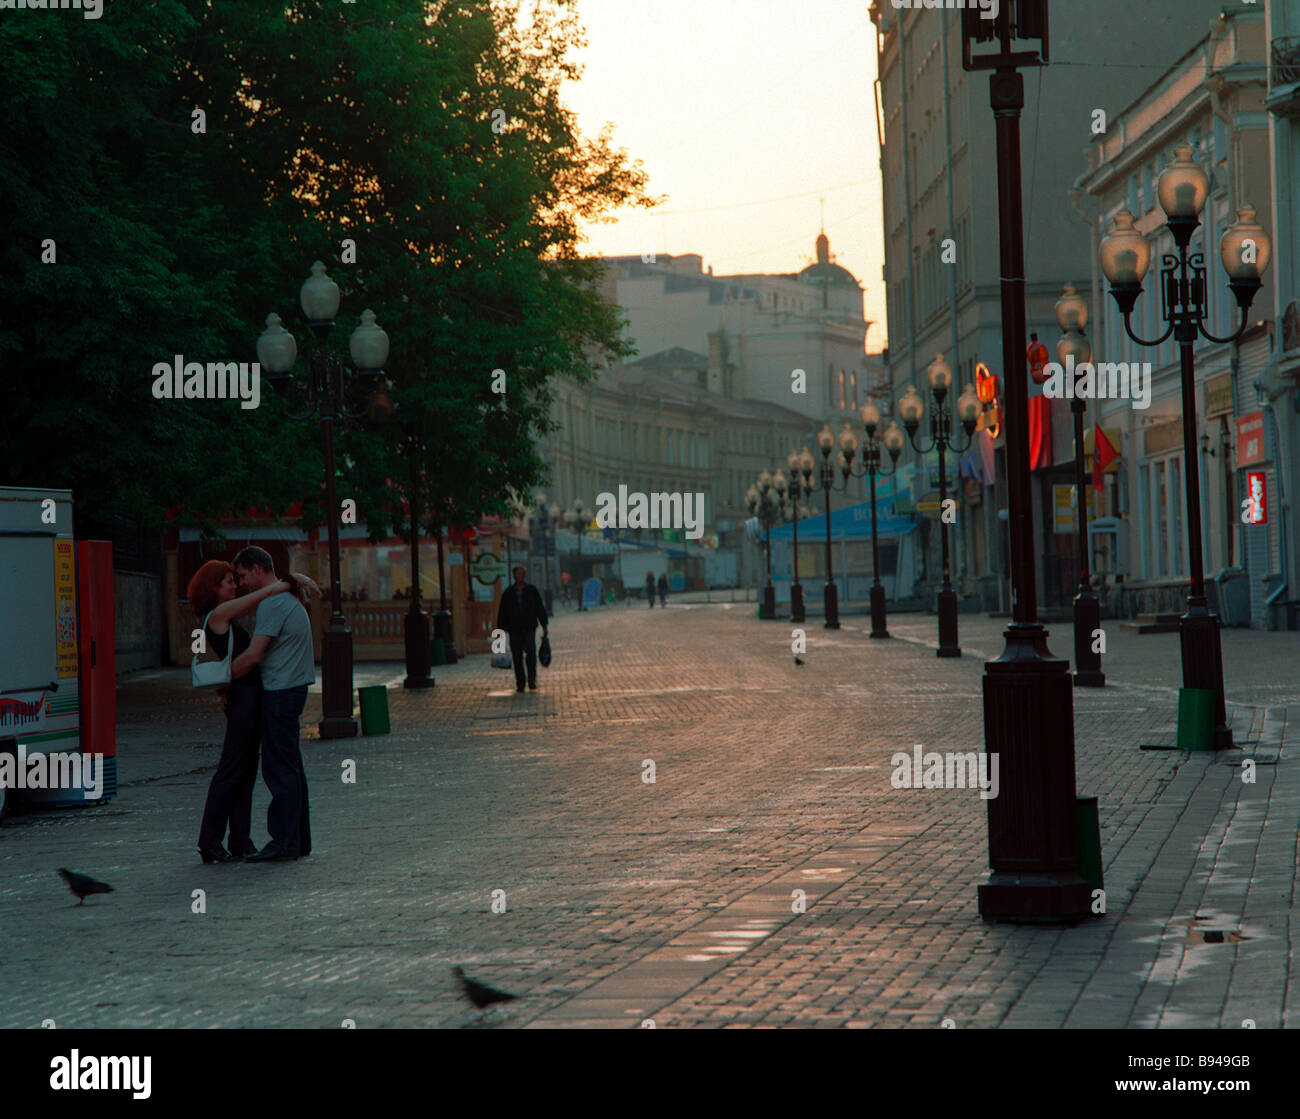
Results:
x,y
213,673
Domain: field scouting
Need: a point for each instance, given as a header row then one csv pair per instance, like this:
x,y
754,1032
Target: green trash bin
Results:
x,y
374,709
1088,830
437,651
1195,719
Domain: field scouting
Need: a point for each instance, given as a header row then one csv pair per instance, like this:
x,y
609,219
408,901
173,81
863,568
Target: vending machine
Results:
x,y
58,737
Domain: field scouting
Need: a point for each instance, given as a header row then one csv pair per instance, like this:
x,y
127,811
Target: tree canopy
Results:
x,y
421,150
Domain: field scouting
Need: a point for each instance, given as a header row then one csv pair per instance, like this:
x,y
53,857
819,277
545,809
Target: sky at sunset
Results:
x,y
744,113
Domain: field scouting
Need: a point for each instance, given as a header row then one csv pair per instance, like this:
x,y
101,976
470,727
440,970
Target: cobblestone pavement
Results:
x,y
627,900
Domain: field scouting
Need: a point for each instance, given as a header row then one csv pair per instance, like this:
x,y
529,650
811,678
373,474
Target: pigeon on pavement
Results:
x,y
798,661
478,993
83,885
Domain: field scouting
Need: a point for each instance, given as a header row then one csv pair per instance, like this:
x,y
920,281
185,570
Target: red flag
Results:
x,y
1040,432
1103,454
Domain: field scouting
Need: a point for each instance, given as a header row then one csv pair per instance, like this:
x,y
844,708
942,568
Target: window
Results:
x,y
841,384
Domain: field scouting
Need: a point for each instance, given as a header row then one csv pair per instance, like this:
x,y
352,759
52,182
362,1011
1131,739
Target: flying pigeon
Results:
x,y
83,885
480,994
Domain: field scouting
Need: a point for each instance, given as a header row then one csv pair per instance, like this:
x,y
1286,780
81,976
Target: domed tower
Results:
x,y
826,274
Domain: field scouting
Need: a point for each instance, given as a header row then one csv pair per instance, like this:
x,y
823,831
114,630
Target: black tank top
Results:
x,y
217,643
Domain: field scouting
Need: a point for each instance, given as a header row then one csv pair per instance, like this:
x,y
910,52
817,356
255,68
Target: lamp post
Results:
x,y
892,441
831,594
1244,250
910,409
1028,697
326,397
767,505
544,518
1074,349
800,486
576,520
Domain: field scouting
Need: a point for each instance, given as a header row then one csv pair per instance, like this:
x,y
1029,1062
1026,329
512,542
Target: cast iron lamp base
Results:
x,y
336,682
1029,725
796,603
1202,653
948,646
1087,621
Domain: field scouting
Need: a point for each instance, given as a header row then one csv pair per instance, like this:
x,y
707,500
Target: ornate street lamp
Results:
x,y
800,486
576,519
831,593
1074,349
1028,697
768,505
910,409
1244,249
544,517
326,394
892,441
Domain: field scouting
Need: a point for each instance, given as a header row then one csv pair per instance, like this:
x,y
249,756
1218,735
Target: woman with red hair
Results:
x,y
214,595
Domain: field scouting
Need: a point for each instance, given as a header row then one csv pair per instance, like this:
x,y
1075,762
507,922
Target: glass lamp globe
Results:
x,y
825,440
870,417
1125,253
806,463
1245,247
893,439
1183,186
910,408
369,344
765,481
1071,310
319,296
968,407
779,483
1073,344
848,443
276,348
940,376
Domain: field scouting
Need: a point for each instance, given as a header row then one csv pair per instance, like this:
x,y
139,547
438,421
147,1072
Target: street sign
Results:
x,y
488,568
1250,439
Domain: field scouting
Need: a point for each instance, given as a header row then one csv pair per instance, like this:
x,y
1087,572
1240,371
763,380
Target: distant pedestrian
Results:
x,y
663,590
520,613
650,588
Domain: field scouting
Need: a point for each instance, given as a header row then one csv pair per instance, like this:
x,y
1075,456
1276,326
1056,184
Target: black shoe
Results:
x,y
519,688
270,855
216,854
243,852
532,687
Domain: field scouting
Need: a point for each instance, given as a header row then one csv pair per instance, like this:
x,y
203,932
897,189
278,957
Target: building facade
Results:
x,y
939,172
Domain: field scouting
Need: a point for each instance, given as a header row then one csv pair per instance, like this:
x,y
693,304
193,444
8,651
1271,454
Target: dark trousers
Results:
x,y
650,594
287,819
230,793
522,649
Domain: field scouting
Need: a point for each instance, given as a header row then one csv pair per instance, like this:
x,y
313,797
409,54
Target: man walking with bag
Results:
x,y
282,646
520,613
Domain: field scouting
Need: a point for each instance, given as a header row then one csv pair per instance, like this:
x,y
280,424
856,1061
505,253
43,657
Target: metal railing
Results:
x,y
1284,54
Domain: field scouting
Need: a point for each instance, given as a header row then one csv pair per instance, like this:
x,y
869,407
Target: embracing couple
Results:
x,y
269,674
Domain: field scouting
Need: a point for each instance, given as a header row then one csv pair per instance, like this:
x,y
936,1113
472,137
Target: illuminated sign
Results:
x,y
1255,507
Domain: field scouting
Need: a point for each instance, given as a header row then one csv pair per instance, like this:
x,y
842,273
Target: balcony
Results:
x,y
1283,98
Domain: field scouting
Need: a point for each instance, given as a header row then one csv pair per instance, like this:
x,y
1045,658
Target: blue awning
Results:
x,y
852,522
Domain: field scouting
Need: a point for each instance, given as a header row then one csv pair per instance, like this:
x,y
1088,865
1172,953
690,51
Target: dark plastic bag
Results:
x,y
544,653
